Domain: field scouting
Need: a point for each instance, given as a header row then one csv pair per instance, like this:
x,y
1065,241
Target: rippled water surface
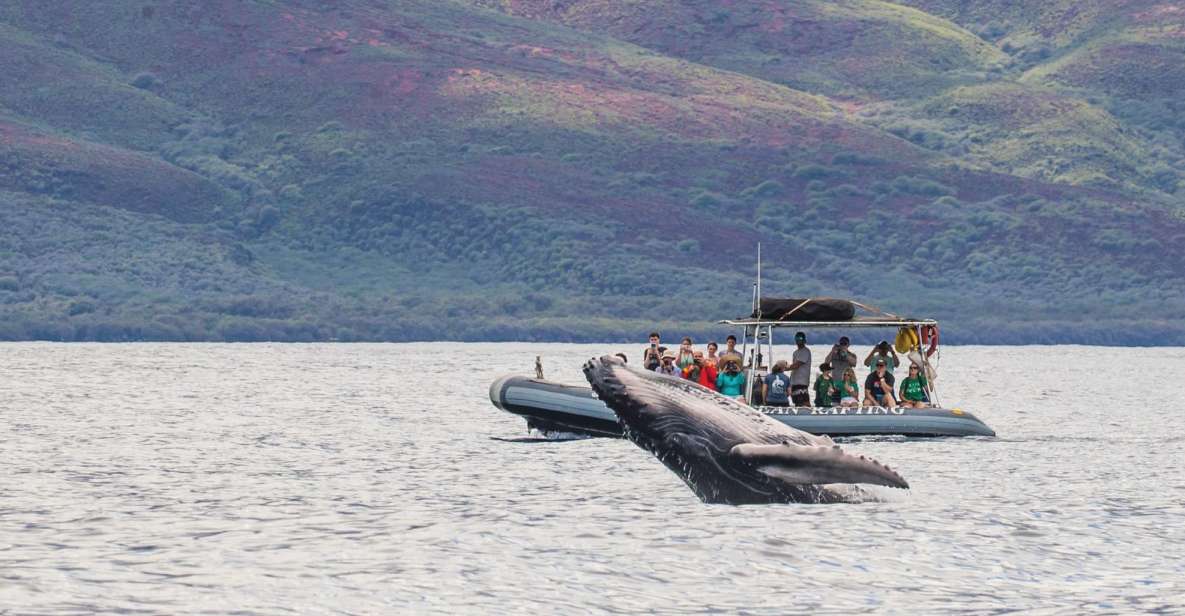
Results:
x,y
174,479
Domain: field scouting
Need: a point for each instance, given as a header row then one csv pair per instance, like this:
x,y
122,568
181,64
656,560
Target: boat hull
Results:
x,y
554,407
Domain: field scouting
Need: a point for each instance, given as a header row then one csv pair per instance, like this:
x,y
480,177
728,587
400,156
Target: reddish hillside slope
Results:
x,y
527,115
455,149
64,168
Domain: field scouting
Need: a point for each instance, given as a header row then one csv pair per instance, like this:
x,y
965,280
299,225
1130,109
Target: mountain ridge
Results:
x,y
536,176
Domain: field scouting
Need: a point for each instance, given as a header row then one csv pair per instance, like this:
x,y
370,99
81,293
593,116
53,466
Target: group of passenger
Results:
x,y
788,383
716,370
878,385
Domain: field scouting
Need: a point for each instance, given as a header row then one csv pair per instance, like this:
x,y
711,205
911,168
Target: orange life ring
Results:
x,y
930,336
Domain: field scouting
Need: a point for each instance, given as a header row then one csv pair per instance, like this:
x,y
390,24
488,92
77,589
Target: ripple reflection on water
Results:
x,y
167,478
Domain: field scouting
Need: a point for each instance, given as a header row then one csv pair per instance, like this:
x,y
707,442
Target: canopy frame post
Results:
x,y
928,367
924,369
754,358
750,356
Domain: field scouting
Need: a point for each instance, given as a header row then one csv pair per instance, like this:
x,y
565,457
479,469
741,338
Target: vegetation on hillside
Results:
x,y
496,169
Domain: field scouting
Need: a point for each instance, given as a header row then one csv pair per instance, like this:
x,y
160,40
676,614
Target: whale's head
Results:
x,y
727,452
652,405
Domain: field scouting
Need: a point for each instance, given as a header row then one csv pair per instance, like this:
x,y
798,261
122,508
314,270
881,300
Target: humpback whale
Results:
x,y
725,451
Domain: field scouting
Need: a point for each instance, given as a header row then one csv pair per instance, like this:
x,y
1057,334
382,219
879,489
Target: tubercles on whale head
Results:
x,y
607,386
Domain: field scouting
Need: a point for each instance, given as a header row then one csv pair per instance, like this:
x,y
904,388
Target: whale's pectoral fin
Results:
x,y
815,465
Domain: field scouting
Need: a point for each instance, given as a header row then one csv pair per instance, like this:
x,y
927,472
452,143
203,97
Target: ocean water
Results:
x,y
343,478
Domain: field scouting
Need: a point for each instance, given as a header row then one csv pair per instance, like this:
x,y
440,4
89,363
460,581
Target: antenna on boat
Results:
x,y
758,306
755,358
757,286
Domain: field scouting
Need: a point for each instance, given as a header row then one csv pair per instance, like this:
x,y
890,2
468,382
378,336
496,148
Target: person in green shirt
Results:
x,y
913,389
824,387
731,382
849,389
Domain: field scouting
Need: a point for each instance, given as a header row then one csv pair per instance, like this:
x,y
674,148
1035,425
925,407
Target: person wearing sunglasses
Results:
x,y
878,387
913,389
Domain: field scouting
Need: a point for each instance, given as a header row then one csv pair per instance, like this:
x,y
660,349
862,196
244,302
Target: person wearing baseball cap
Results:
x,y
841,356
878,387
883,351
824,387
800,372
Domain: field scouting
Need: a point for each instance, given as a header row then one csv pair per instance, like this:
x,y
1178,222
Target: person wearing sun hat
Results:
x,y
668,366
731,382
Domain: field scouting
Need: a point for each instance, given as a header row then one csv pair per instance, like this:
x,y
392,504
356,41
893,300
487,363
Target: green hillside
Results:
x,y
852,49
486,169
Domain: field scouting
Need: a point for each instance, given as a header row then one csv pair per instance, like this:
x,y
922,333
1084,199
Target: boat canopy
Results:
x,y
854,322
820,312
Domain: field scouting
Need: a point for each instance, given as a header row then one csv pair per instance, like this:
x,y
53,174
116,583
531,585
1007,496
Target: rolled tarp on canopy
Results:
x,y
821,309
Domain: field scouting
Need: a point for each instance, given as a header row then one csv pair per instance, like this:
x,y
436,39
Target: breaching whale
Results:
x,y
725,451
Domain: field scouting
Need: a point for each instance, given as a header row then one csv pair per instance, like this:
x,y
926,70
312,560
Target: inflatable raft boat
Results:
x,y
553,407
